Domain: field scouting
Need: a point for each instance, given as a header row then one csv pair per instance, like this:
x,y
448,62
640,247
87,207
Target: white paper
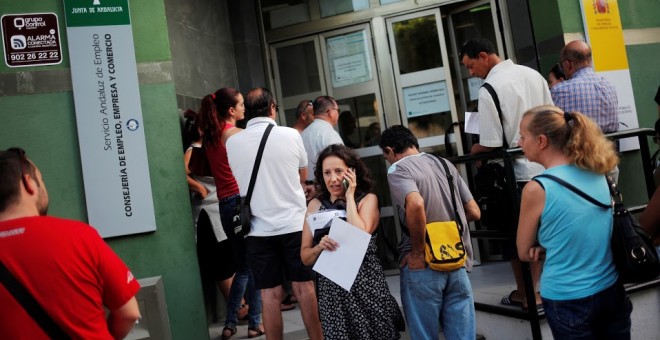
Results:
x,y
342,265
472,122
319,219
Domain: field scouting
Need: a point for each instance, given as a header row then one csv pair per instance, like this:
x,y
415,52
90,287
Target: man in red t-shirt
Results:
x,y
63,264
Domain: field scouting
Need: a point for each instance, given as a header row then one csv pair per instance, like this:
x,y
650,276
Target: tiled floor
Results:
x,y
490,282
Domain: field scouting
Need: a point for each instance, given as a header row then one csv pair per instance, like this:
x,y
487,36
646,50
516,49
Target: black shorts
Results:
x,y
270,256
216,259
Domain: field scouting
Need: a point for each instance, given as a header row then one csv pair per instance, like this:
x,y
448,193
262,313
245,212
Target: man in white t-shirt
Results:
x,y
518,88
278,211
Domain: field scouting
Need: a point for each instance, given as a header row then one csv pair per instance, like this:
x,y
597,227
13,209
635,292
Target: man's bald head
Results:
x,y
575,56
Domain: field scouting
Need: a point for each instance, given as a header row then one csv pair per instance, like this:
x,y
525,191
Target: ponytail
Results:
x,y
588,148
208,121
576,135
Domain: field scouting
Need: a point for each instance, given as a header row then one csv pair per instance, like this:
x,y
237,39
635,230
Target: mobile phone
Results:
x,y
344,183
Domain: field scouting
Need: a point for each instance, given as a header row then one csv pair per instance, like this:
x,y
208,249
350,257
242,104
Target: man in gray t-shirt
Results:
x,y
421,193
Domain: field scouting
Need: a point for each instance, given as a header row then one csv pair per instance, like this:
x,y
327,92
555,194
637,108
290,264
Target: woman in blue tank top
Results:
x,y
581,296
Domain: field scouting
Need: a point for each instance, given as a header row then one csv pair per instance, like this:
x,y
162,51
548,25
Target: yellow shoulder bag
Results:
x,y
444,250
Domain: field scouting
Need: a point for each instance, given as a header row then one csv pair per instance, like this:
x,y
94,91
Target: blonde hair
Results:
x,y
576,135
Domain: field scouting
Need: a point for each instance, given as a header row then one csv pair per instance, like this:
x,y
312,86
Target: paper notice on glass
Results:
x,y
472,122
342,265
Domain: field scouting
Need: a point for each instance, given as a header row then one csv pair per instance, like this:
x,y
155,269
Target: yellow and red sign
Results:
x,y
602,24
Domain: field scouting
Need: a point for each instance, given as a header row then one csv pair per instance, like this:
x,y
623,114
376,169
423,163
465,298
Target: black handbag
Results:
x,y
633,253
242,217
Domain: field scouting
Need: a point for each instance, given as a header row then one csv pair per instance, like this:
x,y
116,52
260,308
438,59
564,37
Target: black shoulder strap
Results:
x,y
257,163
31,306
450,181
573,189
496,100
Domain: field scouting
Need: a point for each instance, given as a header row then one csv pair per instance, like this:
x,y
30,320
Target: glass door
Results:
x,y
423,80
298,74
474,20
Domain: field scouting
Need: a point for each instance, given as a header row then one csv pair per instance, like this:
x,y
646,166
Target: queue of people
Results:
x,y
317,172
308,169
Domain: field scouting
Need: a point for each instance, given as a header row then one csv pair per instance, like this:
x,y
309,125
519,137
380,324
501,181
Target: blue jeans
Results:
x,y
432,298
604,315
243,278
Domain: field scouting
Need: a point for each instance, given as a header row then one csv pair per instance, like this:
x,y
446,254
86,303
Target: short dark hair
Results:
x,y
13,164
302,106
258,102
557,71
473,47
399,138
322,104
190,132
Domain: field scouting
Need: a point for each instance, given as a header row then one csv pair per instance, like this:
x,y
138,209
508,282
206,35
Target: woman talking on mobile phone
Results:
x,y
368,310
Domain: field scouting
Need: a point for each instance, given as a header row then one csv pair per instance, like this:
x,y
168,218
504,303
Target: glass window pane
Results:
x,y
290,116
335,7
281,13
359,123
469,24
430,125
348,57
417,44
298,69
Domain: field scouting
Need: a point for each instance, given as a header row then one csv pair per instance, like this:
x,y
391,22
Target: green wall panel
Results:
x,y
149,30
571,16
639,13
44,125
645,75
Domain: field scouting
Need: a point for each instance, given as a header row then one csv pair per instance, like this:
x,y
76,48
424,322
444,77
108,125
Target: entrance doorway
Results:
x,y
389,69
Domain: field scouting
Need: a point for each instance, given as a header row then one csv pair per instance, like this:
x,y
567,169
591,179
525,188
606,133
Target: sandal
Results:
x,y
232,331
508,301
255,332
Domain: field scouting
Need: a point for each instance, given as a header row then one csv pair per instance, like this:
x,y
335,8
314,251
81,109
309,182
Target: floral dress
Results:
x,y
368,311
